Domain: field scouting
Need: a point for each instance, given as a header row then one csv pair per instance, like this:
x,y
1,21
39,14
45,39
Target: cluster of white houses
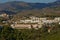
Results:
x,y
34,22
4,15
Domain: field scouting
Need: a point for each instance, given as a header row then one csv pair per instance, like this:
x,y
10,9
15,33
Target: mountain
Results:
x,y
18,6
22,5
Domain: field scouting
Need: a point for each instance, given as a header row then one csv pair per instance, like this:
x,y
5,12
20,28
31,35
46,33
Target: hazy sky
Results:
x,y
40,1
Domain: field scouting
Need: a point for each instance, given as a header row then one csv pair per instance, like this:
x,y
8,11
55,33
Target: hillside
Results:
x,y
49,11
18,6
26,9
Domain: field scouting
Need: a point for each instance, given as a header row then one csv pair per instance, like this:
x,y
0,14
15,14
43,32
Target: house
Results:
x,y
57,19
42,18
21,26
40,24
59,22
48,21
4,15
25,26
25,21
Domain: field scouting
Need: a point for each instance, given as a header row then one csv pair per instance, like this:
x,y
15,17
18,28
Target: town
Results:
x,y
29,19
30,22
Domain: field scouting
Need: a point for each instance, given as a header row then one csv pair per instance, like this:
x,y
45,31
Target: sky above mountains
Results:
x,y
33,1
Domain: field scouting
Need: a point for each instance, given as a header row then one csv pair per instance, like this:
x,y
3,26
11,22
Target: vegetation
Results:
x,y
7,33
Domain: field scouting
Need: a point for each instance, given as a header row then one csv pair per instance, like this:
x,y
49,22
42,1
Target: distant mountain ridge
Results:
x,y
17,6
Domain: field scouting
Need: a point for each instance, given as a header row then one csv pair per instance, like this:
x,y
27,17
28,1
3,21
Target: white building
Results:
x,y
48,21
25,21
22,26
57,19
4,15
42,18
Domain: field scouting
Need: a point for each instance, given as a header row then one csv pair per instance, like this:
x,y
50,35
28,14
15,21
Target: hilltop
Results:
x,y
18,7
